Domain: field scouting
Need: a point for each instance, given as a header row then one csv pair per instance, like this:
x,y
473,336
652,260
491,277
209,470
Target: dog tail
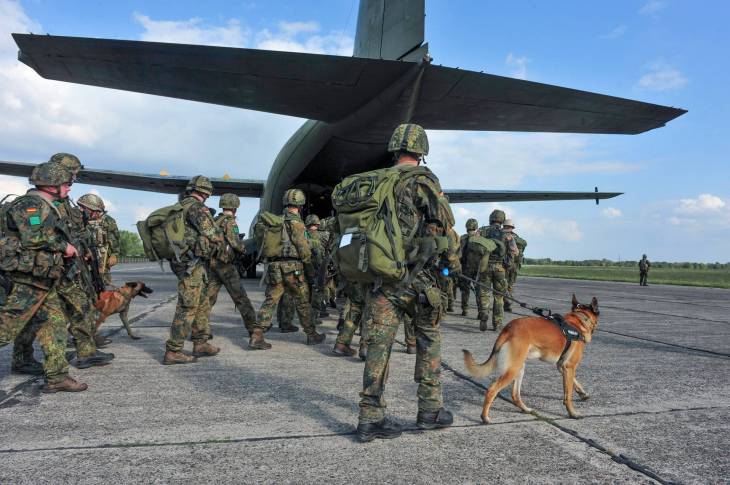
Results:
x,y
484,369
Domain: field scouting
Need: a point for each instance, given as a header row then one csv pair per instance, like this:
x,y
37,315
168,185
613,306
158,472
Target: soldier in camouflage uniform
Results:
x,y
419,201
644,266
205,241
330,286
104,234
32,253
319,243
353,316
469,266
291,273
285,314
222,271
515,264
496,275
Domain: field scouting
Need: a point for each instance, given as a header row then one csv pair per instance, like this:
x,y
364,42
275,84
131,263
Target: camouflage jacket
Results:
x,y
233,246
644,264
202,235
298,245
494,231
521,245
104,235
452,255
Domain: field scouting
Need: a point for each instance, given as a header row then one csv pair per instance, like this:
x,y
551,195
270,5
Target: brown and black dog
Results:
x,y
117,301
537,338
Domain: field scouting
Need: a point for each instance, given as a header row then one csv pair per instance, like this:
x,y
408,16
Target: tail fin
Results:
x,y
389,29
480,370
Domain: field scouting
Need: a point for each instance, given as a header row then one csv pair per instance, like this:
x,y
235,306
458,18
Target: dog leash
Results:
x,y
540,311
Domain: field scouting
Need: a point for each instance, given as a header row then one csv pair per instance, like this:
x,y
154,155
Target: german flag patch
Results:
x,y
31,210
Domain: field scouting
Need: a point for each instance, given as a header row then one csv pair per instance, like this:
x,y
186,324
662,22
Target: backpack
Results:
x,y
163,233
482,245
269,233
372,246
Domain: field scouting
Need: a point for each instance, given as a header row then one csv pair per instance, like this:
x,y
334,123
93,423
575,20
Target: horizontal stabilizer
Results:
x,y
329,88
467,196
148,182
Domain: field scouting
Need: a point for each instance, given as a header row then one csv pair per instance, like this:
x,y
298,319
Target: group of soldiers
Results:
x,y
55,258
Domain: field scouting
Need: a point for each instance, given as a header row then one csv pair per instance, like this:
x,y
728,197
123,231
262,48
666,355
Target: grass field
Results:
x,y
718,278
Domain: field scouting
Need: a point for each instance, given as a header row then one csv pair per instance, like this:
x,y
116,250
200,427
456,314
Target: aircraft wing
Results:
x,y
467,196
328,88
169,184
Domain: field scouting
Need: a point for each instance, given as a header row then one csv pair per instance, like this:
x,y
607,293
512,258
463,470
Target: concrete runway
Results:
x,y
658,372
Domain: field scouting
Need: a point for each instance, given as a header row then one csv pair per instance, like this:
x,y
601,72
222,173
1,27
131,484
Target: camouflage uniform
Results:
x,y
353,313
515,264
644,266
285,312
105,238
286,275
418,198
224,273
31,256
192,313
318,242
495,275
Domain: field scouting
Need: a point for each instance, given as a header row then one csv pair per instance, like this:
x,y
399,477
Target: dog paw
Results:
x,y
486,420
576,415
527,410
584,397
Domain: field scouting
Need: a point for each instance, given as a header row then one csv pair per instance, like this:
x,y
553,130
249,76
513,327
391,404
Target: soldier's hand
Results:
x,y
70,251
113,260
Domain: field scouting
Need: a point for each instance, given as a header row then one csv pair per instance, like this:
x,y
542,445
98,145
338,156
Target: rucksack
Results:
x,y
371,246
163,233
269,234
482,245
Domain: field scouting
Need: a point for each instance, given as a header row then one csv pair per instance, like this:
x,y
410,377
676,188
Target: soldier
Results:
x,y
644,266
496,275
469,266
513,265
32,253
291,272
104,234
418,200
353,316
318,242
222,271
446,283
205,241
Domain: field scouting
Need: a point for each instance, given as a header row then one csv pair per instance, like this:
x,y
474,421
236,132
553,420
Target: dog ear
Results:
x,y
574,302
130,284
594,305
146,289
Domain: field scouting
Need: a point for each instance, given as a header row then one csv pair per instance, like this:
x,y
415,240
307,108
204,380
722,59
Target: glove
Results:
x,y
113,260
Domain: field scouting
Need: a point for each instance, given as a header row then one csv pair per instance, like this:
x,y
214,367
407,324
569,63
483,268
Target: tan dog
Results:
x,y
117,301
537,338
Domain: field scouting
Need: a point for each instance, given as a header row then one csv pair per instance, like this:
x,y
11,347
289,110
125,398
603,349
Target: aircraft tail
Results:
x,y
389,29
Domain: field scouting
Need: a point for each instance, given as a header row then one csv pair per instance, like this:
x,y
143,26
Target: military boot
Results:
x,y
96,359
315,338
436,419
344,350
31,367
483,324
481,316
172,358
333,303
384,430
204,349
257,342
340,323
507,306
450,308
288,328
410,349
101,341
323,311
363,353
464,312
496,325
66,385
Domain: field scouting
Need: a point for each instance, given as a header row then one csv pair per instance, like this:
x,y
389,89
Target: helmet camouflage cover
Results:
x,y
312,220
92,201
200,183
472,225
497,216
294,197
229,201
508,223
409,137
68,161
49,174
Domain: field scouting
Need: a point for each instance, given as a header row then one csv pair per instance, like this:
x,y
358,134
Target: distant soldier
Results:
x,y
32,253
469,265
496,275
104,234
205,241
222,271
513,265
319,243
644,266
290,272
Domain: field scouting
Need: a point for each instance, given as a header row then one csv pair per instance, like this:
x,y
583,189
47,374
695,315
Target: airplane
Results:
x,y
352,103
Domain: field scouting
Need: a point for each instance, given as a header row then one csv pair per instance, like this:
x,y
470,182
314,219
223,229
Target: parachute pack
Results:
x,y
269,234
482,245
163,233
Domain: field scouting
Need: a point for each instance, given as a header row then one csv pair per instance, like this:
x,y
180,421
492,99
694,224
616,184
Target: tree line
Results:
x,y
625,264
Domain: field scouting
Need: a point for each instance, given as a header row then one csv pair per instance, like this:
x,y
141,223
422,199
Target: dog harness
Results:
x,y
570,332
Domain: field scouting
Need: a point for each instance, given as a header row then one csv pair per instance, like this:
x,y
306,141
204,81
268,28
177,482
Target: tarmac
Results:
x,y
658,373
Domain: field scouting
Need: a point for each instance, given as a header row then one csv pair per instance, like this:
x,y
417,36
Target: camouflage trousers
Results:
x,y
511,274
285,311
466,287
286,277
81,316
192,313
330,289
385,308
39,314
106,277
225,274
496,278
446,285
353,314
643,275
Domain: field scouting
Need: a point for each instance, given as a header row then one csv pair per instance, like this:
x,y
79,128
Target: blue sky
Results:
x,y
677,201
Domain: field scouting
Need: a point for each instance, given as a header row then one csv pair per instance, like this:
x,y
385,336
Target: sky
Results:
x,y
676,202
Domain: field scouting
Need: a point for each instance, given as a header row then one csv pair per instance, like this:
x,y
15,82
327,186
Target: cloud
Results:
x,y
192,31
652,7
662,77
611,212
616,32
288,37
12,186
518,65
702,204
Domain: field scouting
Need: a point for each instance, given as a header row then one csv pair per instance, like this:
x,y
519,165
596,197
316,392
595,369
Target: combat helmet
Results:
x,y
497,216
409,137
472,225
508,223
92,202
200,183
294,197
49,174
68,161
229,201
312,220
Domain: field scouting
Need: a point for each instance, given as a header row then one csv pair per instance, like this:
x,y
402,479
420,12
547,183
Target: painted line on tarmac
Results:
x,y
17,389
